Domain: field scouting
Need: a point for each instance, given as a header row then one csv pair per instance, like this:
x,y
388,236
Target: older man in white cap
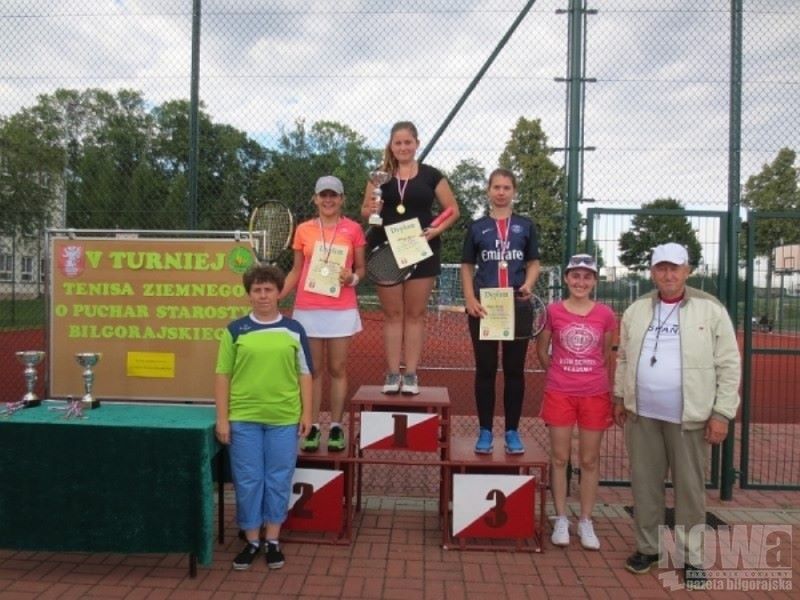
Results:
x,y
676,388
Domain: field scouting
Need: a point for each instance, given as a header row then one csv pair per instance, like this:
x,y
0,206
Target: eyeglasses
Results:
x,y
327,194
582,260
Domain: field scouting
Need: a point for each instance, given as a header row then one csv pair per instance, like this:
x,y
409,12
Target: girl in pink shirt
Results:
x,y
329,316
577,390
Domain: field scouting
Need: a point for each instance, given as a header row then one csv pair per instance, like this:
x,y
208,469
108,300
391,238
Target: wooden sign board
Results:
x,y
154,308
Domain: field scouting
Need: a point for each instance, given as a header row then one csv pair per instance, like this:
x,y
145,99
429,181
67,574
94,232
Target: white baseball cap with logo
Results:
x,y
671,253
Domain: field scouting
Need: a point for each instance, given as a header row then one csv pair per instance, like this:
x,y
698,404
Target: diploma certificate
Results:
x,y
408,244
498,324
323,276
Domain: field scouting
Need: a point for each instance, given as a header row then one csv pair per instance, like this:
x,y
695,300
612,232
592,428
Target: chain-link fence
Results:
x,y
95,116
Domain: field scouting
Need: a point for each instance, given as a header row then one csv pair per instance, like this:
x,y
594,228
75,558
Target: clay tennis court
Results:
x,y
447,361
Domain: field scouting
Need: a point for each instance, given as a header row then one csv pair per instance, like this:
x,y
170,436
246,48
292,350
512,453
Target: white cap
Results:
x,y
581,261
329,182
671,253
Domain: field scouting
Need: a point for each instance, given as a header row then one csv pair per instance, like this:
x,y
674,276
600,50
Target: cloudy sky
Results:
x,y
657,115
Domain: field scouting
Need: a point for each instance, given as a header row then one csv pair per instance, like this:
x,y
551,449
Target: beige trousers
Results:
x,y
654,448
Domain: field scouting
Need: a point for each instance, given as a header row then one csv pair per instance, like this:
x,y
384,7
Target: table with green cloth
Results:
x,y
127,478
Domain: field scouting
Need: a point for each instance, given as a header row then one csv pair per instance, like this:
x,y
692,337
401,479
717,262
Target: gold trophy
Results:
x,y
30,358
88,360
378,178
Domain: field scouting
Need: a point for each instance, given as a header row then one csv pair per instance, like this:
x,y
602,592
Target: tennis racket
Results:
x,y
530,317
271,226
382,268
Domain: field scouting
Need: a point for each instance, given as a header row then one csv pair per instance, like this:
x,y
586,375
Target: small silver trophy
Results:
x,y
378,178
30,358
87,360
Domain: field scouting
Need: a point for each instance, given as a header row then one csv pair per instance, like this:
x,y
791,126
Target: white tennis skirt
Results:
x,y
320,323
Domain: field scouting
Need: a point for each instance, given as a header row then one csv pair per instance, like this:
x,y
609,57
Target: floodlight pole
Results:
x,y
576,65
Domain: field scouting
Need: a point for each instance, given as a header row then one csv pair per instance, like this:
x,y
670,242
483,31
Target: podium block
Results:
x,y
493,506
414,432
321,505
395,429
494,497
316,502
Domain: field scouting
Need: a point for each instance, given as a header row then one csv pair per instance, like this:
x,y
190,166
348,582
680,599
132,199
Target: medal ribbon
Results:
x,y
327,249
503,226
73,409
12,407
401,191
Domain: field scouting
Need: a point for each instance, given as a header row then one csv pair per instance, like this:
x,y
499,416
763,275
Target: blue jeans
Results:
x,y
263,459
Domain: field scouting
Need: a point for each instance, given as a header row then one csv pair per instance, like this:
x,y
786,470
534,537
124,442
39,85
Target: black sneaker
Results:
x,y
336,440
694,578
310,443
640,563
245,558
275,558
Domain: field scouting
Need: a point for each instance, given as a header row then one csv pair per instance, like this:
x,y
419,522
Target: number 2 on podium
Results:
x,y
299,510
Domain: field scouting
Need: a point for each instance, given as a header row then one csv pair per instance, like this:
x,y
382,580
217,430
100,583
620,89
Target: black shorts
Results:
x,y
430,267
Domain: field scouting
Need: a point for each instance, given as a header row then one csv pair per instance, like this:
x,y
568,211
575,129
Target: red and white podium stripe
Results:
x,y
493,506
418,432
316,501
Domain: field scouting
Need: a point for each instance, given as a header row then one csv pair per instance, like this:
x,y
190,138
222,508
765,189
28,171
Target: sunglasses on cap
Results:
x,y
582,261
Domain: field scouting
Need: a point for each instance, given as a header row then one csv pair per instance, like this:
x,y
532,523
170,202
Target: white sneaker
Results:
x,y
410,385
586,533
391,384
560,536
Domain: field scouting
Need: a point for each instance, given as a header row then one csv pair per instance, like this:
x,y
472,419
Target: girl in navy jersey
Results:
x,y
577,391
411,192
500,250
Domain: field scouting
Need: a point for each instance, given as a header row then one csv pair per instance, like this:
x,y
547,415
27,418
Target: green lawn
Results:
x,y
15,314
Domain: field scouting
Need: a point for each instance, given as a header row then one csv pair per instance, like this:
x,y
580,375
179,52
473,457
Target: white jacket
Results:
x,y
710,360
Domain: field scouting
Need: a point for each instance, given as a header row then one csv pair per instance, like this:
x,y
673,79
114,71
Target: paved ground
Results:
x,y
396,553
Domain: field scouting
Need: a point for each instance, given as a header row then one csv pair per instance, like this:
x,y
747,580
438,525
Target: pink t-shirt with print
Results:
x,y
347,233
577,365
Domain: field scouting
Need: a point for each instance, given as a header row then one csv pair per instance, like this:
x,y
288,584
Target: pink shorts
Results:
x,y
589,412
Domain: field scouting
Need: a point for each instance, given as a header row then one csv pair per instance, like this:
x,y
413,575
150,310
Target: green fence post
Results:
x,y
734,164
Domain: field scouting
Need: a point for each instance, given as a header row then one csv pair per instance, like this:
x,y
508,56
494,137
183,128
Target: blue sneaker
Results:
x,y
484,445
513,443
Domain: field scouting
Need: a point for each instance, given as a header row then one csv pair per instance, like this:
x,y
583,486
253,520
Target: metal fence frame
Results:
x,y
752,350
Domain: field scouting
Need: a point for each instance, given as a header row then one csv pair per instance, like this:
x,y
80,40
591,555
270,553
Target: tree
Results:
x,y
649,230
540,186
468,182
303,155
31,164
229,166
775,188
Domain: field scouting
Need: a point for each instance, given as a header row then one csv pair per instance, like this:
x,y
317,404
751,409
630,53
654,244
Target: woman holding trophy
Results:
x,y
405,189
328,264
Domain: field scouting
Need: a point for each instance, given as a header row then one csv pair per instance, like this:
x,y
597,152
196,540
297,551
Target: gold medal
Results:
x,y
401,210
